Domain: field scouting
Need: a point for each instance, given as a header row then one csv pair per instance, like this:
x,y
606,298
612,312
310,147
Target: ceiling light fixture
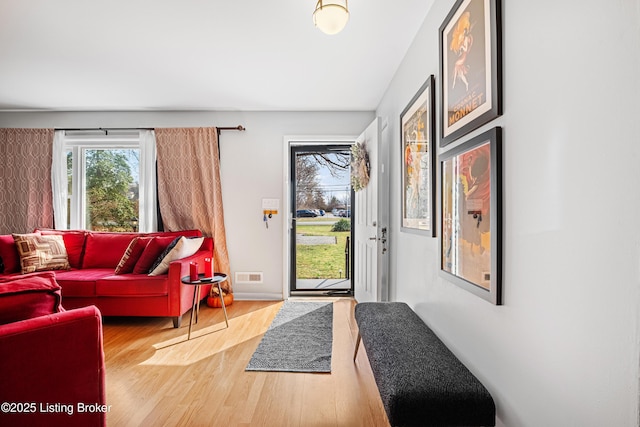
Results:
x,y
331,16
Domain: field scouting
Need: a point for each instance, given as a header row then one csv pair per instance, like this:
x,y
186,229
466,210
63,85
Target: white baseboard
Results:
x,y
255,296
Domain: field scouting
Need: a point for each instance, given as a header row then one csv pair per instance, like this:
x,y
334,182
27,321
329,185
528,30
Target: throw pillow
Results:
x,y
9,254
185,247
132,255
29,296
168,253
73,243
151,253
41,253
104,249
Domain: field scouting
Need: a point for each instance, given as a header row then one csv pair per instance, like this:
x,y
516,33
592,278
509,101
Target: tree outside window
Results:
x,y
110,188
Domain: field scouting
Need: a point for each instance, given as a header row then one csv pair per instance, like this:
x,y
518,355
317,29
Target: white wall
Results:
x,y
252,168
563,349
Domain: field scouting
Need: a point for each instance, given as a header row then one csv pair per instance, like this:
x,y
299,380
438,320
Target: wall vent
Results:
x,y
249,277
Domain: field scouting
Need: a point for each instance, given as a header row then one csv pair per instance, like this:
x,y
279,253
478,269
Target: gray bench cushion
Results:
x,y
421,382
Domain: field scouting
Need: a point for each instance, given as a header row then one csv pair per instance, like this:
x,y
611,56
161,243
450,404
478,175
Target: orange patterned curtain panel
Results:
x,y
26,200
189,191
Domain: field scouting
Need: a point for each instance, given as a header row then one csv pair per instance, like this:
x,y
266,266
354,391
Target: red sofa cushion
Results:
x,y
132,285
81,283
28,296
73,241
151,253
9,254
104,250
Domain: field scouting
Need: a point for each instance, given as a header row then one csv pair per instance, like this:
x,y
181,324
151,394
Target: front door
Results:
x,y
371,217
321,233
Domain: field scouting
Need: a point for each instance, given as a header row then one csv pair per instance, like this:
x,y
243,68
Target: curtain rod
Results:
x,y
239,127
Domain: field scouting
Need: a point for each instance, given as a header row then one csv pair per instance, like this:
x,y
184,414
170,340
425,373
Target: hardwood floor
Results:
x,y
155,377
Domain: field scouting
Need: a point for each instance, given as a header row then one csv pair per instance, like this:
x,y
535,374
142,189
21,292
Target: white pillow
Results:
x,y
184,248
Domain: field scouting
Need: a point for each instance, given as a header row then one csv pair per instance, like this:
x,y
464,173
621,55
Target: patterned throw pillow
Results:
x,y
132,255
41,253
154,248
185,247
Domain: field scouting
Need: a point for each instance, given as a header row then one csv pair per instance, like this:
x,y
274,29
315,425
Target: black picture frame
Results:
x,y
417,136
470,68
471,215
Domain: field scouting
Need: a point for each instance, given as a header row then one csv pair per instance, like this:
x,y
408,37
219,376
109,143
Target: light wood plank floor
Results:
x,y
157,378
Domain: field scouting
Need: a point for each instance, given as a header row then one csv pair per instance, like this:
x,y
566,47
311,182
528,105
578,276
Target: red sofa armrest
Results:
x,y
53,371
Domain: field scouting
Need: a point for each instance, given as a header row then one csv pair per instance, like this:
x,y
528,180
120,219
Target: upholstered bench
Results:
x,y
421,382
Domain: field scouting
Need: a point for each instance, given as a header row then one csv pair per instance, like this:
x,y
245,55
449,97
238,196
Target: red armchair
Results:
x,y
52,368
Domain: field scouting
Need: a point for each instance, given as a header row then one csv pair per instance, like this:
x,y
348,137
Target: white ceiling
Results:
x,y
82,55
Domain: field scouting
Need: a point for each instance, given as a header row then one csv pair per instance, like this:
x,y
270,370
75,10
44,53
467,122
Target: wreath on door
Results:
x,y
360,167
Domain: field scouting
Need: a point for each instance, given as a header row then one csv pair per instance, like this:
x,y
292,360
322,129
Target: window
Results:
x,y
108,181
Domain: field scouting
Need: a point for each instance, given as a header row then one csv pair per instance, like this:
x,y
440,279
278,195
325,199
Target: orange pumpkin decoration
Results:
x,y
214,300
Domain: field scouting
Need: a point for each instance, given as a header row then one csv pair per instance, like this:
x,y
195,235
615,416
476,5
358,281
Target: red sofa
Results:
x,y
52,371
91,279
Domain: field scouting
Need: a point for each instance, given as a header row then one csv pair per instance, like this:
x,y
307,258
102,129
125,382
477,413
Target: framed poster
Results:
x,y
471,67
471,220
417,127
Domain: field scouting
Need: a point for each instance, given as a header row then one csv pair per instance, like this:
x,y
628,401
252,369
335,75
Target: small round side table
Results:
x,y
214,281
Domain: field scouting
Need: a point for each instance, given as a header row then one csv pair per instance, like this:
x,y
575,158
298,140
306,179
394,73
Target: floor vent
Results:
x,y
249,277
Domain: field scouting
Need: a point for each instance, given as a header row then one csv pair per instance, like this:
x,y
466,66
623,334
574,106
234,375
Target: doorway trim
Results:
x,y
288,142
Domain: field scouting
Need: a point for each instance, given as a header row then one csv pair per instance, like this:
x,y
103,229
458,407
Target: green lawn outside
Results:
x,y
320,261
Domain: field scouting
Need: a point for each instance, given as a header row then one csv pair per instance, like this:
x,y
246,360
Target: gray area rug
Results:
x,y
298,340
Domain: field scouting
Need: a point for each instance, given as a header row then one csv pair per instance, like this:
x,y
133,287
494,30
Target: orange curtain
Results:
x,y
26,200
189,190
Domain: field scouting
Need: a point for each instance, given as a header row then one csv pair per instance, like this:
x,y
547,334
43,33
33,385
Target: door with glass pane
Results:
x,y
321,235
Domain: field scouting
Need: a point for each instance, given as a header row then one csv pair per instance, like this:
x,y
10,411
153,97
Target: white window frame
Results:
x,y
78,142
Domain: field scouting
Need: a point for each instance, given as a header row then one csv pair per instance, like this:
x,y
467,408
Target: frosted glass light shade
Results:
x,y
331,16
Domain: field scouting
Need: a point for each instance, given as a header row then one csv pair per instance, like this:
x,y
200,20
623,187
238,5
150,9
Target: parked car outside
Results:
x,y
305,213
